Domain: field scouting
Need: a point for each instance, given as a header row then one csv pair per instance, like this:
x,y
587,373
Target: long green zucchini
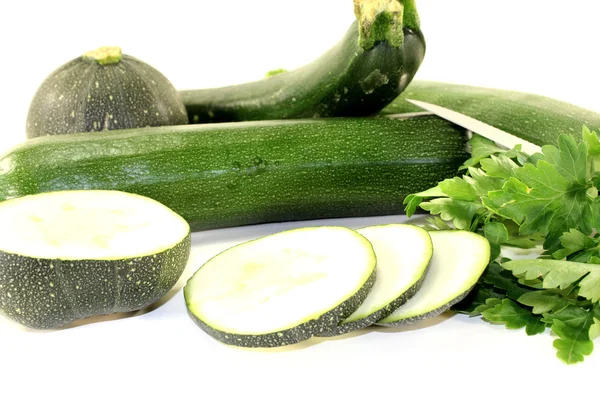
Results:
x,y
532,117
361,74
232,174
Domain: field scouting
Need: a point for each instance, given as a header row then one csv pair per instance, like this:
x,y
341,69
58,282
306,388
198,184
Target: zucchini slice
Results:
x,y
283,288
69,255
459,259
403,254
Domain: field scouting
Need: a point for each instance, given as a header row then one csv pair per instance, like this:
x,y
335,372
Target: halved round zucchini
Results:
x,y
69,255
459,259
403,254
283,288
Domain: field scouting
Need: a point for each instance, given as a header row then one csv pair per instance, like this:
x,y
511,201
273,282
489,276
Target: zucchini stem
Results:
x,y
411,19
379,20
105,55
385,20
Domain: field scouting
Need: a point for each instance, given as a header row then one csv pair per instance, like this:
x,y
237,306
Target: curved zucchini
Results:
x,y
366,70
535,118
70,255
283,288
459,259
232,174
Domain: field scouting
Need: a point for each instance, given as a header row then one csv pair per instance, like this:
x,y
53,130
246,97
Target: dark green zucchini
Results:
x,y
232,174
103,90
366,70
532,117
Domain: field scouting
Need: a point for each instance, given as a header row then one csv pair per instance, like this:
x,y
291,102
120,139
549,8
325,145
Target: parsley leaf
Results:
x,y
500,278
572,325
460,212
575,242
513,316
497,234
412,201
499,166
560,274
518,200
477,299
544,301
594,332
549,197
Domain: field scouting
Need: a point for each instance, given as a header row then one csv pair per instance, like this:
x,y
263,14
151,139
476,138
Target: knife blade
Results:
x,y
494,134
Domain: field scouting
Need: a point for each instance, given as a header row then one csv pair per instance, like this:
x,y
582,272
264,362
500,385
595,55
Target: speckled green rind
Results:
x,y
48,294
293,335
223,175
85,96
535,118
427,315
344,328
346,81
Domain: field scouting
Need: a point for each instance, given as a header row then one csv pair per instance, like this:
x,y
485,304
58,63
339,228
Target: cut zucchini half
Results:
x,y
459,259
69,255
403,253
283,288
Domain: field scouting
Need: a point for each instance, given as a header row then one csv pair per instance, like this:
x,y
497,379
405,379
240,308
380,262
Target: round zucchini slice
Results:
x,y
403,254
283,288
459,259
70,255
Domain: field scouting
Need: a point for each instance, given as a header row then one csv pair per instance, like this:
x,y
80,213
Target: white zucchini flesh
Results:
x,y
282,288
459,259
403,253
88,224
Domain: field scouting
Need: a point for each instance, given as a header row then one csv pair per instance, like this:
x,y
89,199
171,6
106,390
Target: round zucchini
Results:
x,y
100,91
283,288
366,70
70,255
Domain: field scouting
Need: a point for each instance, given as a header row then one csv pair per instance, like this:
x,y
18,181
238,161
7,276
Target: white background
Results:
x,y
542,46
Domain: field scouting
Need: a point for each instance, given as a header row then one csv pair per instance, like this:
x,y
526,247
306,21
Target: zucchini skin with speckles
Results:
x,y
372,319
52,293
431,314
85,96
245,173
535,118
346,81
296,334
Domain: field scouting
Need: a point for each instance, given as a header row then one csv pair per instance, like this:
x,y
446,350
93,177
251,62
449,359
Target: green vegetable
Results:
x,y
275,72
403,254
283,288
459,259
366,70
220,175
103,90
70,255
548,203
535,118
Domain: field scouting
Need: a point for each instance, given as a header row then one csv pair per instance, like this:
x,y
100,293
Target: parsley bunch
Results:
x,y
547,203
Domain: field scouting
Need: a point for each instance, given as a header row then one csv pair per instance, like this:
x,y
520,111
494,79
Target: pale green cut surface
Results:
x,y
88,225
459,259
280,281
403,254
